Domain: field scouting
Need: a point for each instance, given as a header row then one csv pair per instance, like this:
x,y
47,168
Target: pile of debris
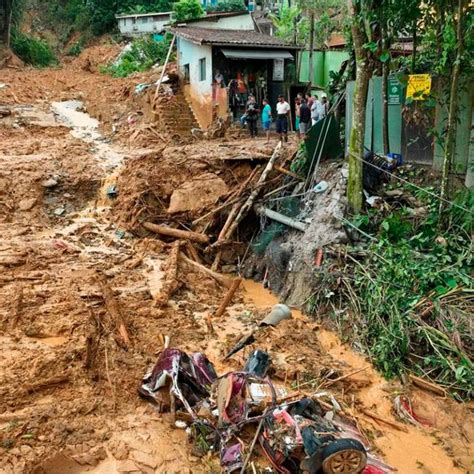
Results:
x,y
209,191
229,414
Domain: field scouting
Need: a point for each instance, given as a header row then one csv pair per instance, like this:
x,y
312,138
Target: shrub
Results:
x,y
187,10
143,54
76,48
32,51
227,6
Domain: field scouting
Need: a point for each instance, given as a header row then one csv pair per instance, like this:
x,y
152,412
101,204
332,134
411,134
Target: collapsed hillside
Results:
x,y
89,294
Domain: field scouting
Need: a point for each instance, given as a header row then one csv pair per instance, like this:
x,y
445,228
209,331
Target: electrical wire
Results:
x,y
403,180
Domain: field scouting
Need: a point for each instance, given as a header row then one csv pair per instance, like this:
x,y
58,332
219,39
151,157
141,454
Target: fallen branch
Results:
x,y
171,283
44,384
177,233
113,309
424,384
342,377
288,173
221,279
376,417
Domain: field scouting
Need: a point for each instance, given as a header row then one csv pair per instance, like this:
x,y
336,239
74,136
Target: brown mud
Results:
x,y
68,384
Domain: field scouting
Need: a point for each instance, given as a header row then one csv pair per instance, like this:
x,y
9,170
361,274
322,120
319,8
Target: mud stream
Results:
x,y
148,437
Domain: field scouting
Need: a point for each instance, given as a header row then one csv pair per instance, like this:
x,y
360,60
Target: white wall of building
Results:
x,y
190,53
136,25
238,22
198,92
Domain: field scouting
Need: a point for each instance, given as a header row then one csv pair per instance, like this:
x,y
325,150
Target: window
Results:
x,y
202,69
144,19
186,73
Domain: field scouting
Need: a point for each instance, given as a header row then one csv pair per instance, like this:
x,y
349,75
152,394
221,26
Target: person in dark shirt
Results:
x,y
251,116
305,118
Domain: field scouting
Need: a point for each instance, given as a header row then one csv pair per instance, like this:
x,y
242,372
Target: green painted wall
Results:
x,y
323,63
373,118
464,145
332,62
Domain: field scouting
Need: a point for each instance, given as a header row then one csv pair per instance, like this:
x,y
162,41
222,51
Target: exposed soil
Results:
x,y
68,381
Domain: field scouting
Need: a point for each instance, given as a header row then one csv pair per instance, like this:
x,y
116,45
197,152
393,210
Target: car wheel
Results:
x,y
343,456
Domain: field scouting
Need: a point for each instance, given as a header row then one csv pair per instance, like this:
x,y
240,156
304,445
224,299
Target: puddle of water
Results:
x,y
86,128
415,451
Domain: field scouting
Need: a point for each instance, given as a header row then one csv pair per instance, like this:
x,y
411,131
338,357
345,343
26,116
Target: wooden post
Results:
x,y
164,66
228,297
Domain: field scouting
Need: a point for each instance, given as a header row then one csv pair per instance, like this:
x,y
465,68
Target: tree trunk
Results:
x,y
7,20
357,133
413,54
449,147
311,49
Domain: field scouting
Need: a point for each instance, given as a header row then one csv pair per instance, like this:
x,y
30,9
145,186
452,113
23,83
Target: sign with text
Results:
x,y
278,69
394,91
419,86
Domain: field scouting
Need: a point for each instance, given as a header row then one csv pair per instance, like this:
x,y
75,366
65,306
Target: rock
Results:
x,y
5,111
126,466
26,204
144,458
201,192
59,211
49,183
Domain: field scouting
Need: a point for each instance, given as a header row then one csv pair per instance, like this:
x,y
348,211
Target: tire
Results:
x,y
343,456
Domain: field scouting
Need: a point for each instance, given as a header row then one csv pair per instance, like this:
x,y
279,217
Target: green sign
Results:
x,y
394,91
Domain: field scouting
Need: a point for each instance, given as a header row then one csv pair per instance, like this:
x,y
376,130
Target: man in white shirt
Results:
x,y
316,110
283,109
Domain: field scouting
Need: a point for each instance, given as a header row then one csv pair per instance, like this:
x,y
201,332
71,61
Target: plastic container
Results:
x,y
397,157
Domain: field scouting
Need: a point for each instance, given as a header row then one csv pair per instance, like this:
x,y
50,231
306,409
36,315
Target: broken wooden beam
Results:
x,y
276,216
424,384
114,311
171,283
288,173
176,233
251,199
228,297
221,279
192,252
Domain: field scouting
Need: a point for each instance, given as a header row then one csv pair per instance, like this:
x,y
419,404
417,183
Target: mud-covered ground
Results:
x,y
68,383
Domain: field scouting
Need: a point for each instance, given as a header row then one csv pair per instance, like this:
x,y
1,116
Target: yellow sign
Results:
x,y
419,86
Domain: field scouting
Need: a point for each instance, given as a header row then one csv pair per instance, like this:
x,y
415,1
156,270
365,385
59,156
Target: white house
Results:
x,y
143,23
224,21
220,67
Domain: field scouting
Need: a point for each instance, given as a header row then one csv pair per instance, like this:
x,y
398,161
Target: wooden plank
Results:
x,y
176,233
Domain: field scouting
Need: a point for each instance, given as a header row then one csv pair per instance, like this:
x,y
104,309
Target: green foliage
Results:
x,y
144,53
187,10
76,48
32,51
290,23
410,291
144,6
227,6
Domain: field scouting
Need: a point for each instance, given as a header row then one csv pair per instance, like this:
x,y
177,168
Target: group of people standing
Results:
x,y
308,111
252,113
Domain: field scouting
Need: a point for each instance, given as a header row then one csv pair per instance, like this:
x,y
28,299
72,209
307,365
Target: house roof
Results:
x,y
241,38
135,15
216,16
